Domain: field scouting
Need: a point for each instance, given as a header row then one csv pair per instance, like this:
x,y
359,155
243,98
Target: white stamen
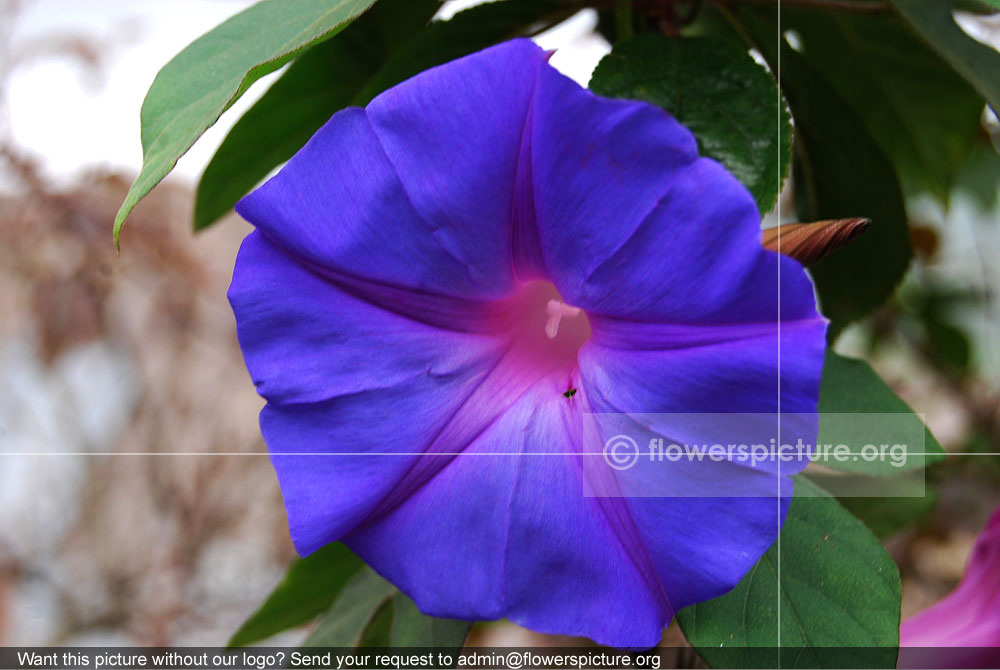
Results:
x,y
557,310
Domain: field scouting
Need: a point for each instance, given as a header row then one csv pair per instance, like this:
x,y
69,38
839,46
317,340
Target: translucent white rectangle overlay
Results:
x,y
736,455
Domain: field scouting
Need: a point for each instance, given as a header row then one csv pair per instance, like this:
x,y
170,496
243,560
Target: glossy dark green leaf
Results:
x,y
352,613
978,63
381,49
839,172
309,587
923,115
849,391
192,91
712,86
838,596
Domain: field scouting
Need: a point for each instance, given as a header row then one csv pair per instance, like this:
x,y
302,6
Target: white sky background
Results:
x,y
72,119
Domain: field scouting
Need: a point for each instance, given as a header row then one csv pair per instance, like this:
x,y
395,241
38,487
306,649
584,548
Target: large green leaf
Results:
x,y
879,65
849,392
192,91
371,612
308,588
712,86
379,50
978,63
836,603
839,172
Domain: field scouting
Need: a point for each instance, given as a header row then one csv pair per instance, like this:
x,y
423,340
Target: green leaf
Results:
x,y
978,6
309,586
979,178
370,612
468,31
378,630
378,51
411,628
978,63
839,597
319,82
839,172
192,91
712,86
849,391
348,619
885,71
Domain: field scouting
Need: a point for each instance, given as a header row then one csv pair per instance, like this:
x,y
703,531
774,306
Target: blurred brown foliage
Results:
x,y
165,548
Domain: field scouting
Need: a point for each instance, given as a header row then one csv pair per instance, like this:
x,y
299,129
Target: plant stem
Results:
x,y
623,19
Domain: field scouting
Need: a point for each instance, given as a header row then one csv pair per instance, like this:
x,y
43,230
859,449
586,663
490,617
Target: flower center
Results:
x,y
557,309
547,332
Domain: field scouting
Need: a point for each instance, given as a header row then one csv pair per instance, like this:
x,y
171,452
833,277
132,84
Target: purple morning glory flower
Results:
x,y
963,629
443,285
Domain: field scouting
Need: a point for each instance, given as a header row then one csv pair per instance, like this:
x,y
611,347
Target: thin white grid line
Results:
x,y
778,158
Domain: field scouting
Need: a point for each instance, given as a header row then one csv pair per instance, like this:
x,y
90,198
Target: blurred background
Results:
x,y
137,505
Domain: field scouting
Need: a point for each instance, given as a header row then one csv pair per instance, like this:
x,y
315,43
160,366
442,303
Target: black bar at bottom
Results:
x,y
483,658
